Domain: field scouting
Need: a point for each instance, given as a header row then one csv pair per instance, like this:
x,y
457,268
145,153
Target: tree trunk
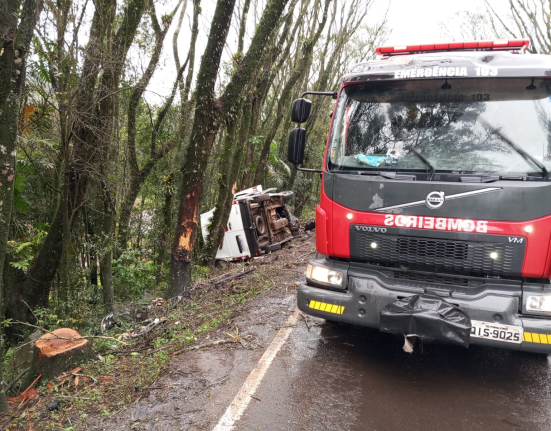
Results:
x,y
243,26
164,242
93,258
285,98
106,258
90,118
64,264
227,181
130,197
16,29
203,133
217,223
137,176
209,114
139,230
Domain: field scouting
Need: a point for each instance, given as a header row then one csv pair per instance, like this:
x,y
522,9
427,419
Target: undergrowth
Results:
x,y
124,372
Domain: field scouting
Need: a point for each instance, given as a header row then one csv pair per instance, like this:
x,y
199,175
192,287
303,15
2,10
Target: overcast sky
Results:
x,y
420,21
411,22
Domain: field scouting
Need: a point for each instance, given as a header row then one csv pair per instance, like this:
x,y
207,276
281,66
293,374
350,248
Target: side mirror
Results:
x,y
297,143
301,110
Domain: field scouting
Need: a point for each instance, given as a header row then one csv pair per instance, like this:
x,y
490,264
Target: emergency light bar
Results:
x,y
486,45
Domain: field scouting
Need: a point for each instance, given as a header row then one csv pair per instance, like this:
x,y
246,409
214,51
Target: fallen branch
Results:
x,y
148,328
221,279
85,375
233,276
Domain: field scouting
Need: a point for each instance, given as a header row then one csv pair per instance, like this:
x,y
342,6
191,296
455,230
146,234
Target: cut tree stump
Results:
x,y
58,352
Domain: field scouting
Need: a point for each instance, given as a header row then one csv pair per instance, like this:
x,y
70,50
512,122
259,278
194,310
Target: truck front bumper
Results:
x,y
365,298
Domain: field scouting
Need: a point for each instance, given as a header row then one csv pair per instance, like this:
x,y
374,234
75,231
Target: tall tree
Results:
x,y
103,64
296,74
17,23
210,113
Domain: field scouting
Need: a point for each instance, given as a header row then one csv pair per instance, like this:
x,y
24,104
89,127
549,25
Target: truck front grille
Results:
x,y
437,254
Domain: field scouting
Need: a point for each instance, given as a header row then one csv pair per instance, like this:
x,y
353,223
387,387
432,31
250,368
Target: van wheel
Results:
x,y
260,225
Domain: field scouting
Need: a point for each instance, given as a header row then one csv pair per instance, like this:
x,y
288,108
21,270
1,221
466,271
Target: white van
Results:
x,y
260,221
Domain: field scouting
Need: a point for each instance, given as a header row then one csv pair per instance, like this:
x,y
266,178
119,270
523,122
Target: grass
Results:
x,y
126,372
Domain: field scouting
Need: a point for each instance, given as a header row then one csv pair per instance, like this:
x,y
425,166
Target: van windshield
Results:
x,y
457,125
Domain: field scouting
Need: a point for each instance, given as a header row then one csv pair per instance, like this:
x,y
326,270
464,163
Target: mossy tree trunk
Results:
x,y
210,114
230,159
17,22
104,59
286,94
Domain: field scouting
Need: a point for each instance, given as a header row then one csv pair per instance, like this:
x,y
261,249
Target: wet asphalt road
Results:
x,y
338,377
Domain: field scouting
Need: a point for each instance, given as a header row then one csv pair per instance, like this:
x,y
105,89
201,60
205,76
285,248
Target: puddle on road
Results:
x,y
339,377
375,385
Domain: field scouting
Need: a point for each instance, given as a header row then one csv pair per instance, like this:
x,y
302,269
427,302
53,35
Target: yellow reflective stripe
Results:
x,y
328,308
532,337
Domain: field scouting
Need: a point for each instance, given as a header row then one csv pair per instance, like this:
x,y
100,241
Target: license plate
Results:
x,y
496,331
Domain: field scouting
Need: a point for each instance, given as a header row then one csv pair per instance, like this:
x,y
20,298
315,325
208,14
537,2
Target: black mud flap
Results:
x,y
427,316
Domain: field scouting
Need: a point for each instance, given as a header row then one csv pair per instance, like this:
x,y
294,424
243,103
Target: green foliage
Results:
x,y
133,275
277,168
200,272
23,253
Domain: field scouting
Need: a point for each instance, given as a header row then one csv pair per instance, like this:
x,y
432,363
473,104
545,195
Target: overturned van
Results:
x,y
260,221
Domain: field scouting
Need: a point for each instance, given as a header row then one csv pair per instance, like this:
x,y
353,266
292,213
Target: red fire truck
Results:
x,y
434,218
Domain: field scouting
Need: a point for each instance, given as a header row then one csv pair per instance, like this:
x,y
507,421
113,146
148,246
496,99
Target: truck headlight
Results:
x,y
324,275
539,304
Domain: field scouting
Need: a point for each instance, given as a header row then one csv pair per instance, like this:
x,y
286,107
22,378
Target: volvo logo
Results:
x,y
435,200
371,229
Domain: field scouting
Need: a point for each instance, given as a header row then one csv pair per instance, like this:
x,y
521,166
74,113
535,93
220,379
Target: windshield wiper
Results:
x,y
387,175
425,161
518,149
480,179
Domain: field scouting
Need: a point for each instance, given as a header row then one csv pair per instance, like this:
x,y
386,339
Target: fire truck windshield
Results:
x,y
457,125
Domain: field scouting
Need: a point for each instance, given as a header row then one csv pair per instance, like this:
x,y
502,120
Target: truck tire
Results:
x,y
311,225
272,247
287,196
260,198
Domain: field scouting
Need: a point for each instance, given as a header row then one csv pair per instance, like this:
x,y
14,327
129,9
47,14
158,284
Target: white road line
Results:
x,y
243,397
